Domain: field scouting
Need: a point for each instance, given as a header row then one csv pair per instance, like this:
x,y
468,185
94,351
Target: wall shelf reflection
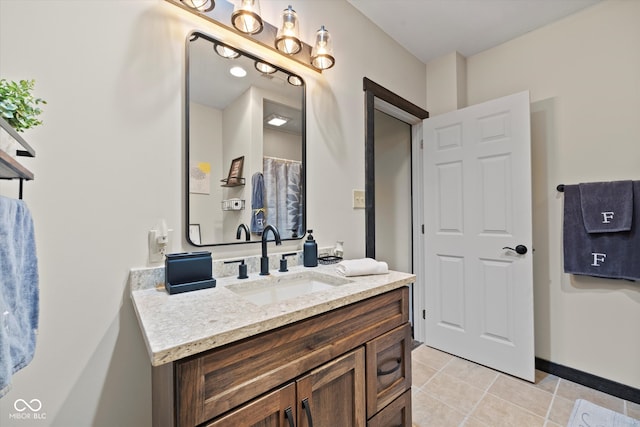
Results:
x,y
233,182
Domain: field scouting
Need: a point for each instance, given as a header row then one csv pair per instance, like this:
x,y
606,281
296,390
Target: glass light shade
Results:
x,y
294,80
288,37
200,5
246,17
322,52
265,68
225,52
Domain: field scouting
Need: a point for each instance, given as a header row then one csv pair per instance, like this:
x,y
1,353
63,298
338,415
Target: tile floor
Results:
x,y
449,391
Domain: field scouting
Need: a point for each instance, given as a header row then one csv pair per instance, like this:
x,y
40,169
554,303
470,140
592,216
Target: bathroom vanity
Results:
x,y
302,348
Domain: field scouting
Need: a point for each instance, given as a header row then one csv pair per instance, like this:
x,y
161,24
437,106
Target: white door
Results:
x,y
477,201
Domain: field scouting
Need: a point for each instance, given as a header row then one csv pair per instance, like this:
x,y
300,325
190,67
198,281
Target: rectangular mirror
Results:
x,y
245,145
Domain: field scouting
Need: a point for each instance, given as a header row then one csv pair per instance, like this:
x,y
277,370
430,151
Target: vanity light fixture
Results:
x,y
276,120
322,52
294,80
246,17
285,40
288,37
265,68
200,5
225,52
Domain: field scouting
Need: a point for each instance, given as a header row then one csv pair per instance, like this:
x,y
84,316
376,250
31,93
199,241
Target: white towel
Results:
x,y
362,267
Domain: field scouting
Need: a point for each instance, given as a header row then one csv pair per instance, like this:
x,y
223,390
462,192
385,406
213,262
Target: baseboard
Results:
x,y
589,380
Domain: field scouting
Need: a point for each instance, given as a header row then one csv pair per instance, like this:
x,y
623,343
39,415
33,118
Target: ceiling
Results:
x,y
431,28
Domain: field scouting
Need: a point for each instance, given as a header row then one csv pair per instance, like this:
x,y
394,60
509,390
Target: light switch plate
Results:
x,y
358,199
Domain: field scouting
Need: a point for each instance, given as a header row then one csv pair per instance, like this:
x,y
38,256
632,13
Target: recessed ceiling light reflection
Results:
x,y
276,120
238,71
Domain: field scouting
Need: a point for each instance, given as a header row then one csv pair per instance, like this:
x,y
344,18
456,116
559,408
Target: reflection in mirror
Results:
x,y
245,144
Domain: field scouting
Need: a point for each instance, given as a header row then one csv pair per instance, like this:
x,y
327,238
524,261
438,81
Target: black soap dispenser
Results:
x,y
310,251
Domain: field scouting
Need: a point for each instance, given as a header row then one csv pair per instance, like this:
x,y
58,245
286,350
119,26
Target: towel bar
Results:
x,y
560,188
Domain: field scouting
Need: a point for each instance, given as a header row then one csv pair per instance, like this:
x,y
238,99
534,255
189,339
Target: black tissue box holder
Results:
x,y
188,271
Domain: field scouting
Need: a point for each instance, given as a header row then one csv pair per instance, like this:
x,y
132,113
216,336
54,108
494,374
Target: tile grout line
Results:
x,y
484,394
524,408
438,371
553,399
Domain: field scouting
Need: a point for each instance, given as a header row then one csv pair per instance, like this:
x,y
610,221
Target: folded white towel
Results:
x,y
362,267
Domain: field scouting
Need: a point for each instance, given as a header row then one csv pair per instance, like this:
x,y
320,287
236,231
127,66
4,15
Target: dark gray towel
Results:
x,y
257,203
610,255
607,207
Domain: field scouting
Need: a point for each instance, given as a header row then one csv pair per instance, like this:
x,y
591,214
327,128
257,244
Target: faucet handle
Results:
x,y
283,262
242,268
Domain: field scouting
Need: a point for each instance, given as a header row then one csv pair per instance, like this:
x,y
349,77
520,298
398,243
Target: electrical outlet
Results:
x,y
158,239
157,246
358,199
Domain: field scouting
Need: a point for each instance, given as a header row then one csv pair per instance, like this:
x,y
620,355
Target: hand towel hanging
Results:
x,y
257,203
19,298
609,255
607,207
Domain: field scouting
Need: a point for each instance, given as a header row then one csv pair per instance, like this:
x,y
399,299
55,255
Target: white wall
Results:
x,y
110,163
205,135
283,145
584,76
393,192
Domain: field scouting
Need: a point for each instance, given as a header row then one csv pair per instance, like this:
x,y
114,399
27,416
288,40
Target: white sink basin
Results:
x,y
281,288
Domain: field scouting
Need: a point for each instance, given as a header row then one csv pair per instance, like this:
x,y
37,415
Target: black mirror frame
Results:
x,y
185,123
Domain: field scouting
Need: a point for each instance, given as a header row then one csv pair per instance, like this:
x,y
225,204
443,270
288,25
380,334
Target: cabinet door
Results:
x,y
276,409
388,368
334,394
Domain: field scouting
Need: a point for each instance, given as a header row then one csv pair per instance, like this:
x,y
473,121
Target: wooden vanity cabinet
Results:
x,y
316,369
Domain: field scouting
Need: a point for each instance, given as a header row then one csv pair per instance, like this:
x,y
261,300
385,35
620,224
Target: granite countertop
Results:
x,y
181,325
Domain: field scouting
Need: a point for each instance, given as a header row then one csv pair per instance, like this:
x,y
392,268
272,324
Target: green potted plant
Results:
x,y
18,106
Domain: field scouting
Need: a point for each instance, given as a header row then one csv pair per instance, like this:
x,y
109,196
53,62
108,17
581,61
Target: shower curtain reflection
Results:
x,y
283,197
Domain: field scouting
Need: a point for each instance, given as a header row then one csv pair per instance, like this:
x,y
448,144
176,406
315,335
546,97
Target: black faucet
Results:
x,y
239,232
264,260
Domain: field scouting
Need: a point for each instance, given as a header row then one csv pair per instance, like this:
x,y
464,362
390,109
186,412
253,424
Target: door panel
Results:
x,y
452,289
477,201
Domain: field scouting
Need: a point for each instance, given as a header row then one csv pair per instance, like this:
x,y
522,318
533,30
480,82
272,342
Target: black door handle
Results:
x,y
288,414
520,249
307,409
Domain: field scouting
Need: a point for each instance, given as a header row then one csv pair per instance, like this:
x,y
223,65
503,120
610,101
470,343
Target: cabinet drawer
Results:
x,y
216,381
388,368
276,409
396,414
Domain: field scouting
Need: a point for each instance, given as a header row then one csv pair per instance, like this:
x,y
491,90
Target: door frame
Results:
x,y
378,97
